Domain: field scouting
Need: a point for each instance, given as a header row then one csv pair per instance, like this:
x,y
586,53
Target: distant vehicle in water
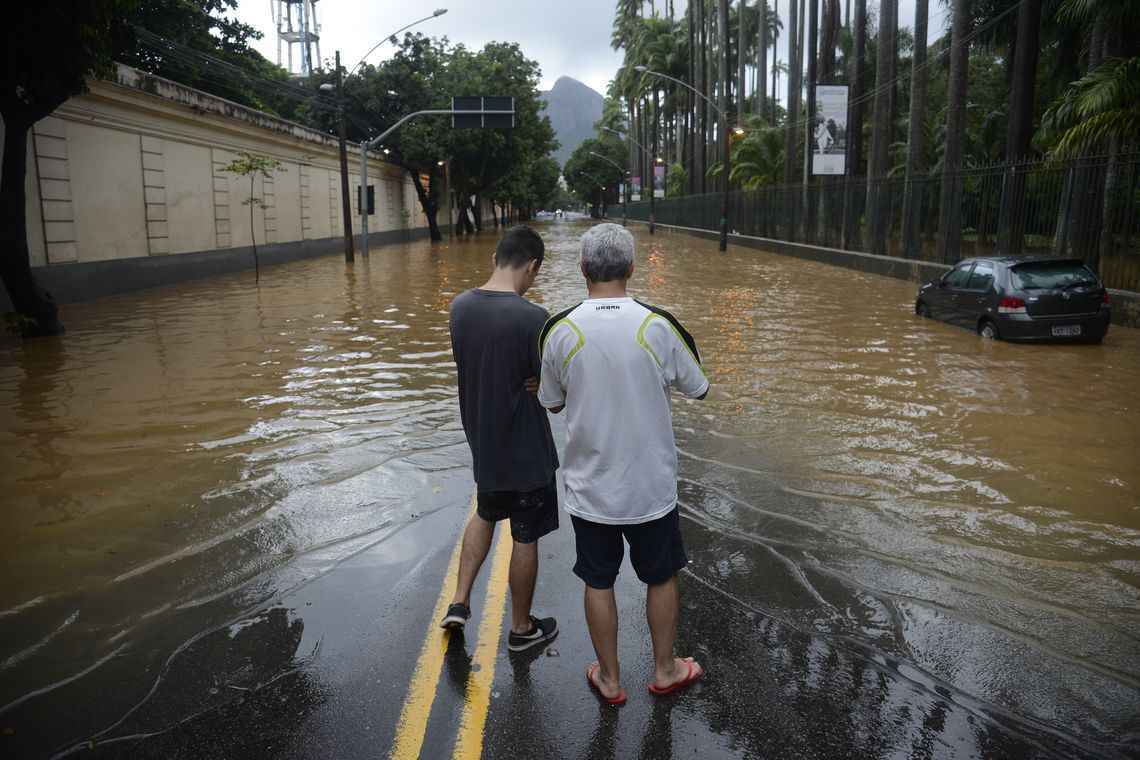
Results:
x,y
1030,298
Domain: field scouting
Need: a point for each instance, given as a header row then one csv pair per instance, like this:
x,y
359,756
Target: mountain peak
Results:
x,y
573,108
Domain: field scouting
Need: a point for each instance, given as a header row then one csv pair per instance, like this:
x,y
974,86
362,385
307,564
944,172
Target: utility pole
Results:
x,y
342,134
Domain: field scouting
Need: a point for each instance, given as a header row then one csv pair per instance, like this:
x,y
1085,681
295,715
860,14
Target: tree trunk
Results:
x,y
762,61
428,203
1012,225
855,127
253,232
829,40
740,60
949,217
41,317
878,197
812,71
477,212
916,139
793,99
775,60
702,107
722,85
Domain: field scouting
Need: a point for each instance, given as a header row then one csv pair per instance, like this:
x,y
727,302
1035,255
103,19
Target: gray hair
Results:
x,y
607,252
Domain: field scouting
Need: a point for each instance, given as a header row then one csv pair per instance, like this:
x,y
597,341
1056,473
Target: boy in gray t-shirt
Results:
x,y
494,339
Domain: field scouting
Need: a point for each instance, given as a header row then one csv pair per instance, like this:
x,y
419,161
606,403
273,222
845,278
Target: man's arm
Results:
x,y
551,393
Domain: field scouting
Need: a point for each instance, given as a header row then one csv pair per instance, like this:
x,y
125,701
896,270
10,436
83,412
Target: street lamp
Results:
x,y
364,153
657,159
728,132
342,152
392,37
622,173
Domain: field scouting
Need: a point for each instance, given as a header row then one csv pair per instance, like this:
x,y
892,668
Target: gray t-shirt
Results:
x,y
494,339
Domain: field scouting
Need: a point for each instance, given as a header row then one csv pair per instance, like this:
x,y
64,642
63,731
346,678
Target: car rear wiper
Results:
x,y
1078,283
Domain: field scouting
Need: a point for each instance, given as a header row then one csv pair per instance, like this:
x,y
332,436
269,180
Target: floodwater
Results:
x,y
964,515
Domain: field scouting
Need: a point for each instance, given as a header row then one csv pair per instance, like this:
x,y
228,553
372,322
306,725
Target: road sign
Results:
x,y
486,112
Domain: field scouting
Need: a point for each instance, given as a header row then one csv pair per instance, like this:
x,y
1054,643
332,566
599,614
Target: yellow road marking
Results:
x,y
469,745
413,721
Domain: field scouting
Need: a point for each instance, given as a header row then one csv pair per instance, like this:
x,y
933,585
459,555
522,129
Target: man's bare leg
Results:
x,y
476,543
524,571
662,603
602,620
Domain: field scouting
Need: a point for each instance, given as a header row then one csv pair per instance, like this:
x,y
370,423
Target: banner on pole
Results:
x,y
635,188
829,133
658,181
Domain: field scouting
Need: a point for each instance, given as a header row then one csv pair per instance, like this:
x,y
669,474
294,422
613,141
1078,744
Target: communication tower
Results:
x,y
296,22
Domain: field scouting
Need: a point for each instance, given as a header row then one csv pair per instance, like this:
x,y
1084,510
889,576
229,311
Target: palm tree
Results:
x,y
793,109
757,159
1020,121
949,226
916,134
1098,107
855,124
878,199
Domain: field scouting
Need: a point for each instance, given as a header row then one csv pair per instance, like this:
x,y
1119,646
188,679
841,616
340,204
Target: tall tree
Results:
x,y
723,83
793,97
855,125
1020,120
49,50
775,59
949,218
878,198
741,59
761,106
916,136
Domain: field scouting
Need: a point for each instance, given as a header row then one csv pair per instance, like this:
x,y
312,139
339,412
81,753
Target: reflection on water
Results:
x,y
958,522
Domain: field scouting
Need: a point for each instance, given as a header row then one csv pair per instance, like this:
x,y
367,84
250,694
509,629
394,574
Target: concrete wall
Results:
x,y
1125,304
134,170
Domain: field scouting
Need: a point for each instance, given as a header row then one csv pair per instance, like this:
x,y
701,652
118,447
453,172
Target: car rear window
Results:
x,y
1049,275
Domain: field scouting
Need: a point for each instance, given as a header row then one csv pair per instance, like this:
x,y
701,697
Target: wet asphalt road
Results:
x,y
239,504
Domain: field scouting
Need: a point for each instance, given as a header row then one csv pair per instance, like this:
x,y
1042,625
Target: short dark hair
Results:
x,y
518,246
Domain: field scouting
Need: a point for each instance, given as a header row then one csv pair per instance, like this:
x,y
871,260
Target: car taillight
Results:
x,y
1105,299
1010,305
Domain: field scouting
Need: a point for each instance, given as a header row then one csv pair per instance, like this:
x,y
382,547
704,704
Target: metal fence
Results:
x,y
1088,209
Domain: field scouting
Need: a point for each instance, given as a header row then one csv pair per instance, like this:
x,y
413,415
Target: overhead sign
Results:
x,y
829,133
486,112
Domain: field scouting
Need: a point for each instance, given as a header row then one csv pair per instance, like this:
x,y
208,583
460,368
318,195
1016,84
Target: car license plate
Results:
x,y
1066,331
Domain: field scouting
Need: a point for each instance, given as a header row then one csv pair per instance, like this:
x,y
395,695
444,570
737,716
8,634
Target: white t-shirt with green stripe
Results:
x,y
612,361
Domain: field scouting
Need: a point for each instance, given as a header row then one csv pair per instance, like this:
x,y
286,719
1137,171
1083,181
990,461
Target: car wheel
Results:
x,y
922,310
988,329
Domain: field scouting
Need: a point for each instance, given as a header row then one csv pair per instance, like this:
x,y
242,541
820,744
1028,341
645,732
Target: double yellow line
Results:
x,y
412,726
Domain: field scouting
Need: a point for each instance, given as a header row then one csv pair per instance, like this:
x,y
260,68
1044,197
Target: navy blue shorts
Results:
x,y
533,514
656,550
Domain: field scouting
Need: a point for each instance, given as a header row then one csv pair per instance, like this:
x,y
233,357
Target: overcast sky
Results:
x,y
566,37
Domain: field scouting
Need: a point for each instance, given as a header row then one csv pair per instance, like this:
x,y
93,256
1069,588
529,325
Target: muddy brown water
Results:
x,y
969,509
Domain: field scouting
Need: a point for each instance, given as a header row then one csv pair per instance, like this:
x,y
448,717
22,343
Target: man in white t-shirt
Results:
x,y
610,362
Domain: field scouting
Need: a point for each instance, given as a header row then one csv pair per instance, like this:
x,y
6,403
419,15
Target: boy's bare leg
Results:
x,y
477,539
524,571
602,620
662,603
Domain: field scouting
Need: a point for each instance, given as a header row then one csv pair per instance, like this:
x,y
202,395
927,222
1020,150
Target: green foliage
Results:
x,y
586,175
675,180
1100,106
49,50
251,165
757,159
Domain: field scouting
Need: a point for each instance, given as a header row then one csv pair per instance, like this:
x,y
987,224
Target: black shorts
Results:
x,y
533,514
655,550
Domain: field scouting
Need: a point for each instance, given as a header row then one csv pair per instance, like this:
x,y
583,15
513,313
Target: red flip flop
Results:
x,y
615,701
694,674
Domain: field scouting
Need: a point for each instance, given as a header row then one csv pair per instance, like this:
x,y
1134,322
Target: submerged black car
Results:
x,y
1020,298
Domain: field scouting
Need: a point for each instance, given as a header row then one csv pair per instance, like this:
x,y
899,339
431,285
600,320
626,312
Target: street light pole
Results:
x,y
622,173
342,149
652,162
728,132
363,147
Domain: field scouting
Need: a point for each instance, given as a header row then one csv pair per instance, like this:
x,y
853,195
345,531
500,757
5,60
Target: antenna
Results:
x,y
296,22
